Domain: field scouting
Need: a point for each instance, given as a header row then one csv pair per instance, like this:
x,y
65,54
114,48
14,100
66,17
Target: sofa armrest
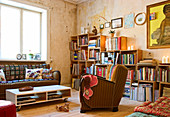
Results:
x,y
57,76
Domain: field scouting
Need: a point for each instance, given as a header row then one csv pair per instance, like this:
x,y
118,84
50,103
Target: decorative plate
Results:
x,y
140,18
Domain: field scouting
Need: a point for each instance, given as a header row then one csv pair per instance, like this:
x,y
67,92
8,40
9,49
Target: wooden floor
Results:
x,y
49,109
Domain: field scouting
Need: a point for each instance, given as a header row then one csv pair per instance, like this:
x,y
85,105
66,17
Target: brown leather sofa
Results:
x,y
14,85
106,94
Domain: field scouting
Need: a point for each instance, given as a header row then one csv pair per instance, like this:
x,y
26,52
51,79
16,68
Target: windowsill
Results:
x,y
3,60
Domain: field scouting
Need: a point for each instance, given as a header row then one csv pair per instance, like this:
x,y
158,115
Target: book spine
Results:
x,y
119,43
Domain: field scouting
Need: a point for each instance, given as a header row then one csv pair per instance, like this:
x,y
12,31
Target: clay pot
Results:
x,y
111,35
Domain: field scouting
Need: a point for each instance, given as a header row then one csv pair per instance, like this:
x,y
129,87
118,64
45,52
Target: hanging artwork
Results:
x,y
158,25
129,20
116,23
140,18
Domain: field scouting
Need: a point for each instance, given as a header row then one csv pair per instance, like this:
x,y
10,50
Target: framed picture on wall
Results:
x,y
107,24
158,25
101,26
116,23
140,18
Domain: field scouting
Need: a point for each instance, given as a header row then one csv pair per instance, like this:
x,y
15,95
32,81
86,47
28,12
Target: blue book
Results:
x,y
133,56
140,74
116,43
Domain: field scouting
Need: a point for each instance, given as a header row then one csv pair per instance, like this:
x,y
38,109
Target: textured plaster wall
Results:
x,y
63,21
89,12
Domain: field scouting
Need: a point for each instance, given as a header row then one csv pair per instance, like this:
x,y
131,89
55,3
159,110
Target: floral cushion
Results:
x,y
89,81
159,108
2,75
47,74
33,73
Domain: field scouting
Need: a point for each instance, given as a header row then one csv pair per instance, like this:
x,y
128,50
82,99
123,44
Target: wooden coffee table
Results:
x,y
38,95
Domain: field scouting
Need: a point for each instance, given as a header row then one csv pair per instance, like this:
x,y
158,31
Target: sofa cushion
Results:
x,y
33,73
2,75
47,74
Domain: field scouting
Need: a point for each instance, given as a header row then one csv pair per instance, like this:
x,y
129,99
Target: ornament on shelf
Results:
x,y
94,30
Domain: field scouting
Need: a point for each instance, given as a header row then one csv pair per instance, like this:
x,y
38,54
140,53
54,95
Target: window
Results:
x,y
31,32
21,31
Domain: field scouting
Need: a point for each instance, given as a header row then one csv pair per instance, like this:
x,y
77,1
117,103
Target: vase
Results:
x,y
111,35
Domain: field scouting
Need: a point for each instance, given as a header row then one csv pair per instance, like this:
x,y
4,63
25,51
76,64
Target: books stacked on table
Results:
x,y
148,61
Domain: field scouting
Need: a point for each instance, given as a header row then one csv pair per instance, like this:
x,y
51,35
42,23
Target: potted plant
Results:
x,y
112,32
30,55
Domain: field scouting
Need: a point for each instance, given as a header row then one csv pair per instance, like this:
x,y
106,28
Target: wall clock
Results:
x,y
140,18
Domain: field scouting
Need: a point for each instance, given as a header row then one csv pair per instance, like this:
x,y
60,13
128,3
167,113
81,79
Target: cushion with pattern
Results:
x,y
33,73
47,74
2,75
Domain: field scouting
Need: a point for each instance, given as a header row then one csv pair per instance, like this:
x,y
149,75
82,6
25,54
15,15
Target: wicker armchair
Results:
x,y
106,94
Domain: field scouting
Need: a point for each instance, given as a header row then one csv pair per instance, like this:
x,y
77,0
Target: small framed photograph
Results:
x,y
37,56
101,26
24,56
107,24
117,23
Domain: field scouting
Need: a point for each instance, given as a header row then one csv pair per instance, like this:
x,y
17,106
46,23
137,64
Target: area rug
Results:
x,y
139,114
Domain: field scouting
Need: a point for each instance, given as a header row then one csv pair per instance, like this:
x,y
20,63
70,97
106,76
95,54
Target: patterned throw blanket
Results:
x,y
89,81
161,107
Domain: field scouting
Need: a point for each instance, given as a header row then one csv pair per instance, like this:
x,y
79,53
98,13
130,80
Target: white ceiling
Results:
x,y
76,1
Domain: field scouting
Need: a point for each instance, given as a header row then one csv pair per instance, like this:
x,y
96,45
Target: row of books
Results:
x,y
131,75
83,40
109,58
95,70
116,43
94,54
128,59
163,75
94,43
75,69
127,89
75,83
143,93
147,73
73,45
83,55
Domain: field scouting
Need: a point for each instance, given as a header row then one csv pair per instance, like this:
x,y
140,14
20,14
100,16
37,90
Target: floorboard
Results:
x,y
49,109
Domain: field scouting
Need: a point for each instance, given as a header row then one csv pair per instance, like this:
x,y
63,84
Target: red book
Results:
x,y
119,43
100,71
122,60
97,71
132,74
104,72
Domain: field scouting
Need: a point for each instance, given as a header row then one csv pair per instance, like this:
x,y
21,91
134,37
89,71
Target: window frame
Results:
x,y
44,26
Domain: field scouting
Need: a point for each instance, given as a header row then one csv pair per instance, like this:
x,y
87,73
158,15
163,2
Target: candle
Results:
x,y
163,59
131,47
167,59
128,47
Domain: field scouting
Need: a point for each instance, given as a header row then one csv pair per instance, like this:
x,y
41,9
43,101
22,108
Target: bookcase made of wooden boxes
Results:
x,y
92,54
151,79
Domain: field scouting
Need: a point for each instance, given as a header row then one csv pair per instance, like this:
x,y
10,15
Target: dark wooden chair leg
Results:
x,y
82,111
115,109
